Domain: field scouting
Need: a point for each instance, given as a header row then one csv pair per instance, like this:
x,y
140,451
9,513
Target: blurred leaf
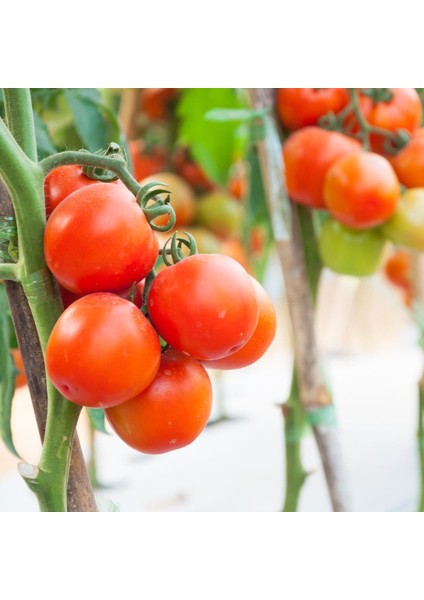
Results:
x,y
97,419
45,146
234,114
107,505
7,374
214,145
88,121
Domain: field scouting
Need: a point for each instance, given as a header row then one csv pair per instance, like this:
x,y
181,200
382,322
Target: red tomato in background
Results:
x,y
403,111
191,171
102,351
361,190
205,305
20,378
155,101
171,413
300,107
98,239
308,154
61,182
409,163
144,164
398,269
260,341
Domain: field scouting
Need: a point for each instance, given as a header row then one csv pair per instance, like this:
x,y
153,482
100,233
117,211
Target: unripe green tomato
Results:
x,y
350,251
406,226
220,213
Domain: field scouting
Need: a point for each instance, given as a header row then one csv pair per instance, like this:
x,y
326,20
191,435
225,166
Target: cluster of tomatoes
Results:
x,y
132,340
367,176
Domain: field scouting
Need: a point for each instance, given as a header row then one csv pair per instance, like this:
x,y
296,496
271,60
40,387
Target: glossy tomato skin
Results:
x,y
259,342
403,111
409,163
361,190
171,413
308,154
301,107
349,251
61,182
98,239
102,351
406,226
205,305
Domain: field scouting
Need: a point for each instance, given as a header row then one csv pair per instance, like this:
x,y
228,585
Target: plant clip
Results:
x,y
175,254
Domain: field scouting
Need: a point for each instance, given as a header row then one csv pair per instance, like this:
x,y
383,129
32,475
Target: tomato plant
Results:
x,y
102,351
401,109
308,154
300,107
361,190
98,239
260,340
169,414
349,251
406,226
204,305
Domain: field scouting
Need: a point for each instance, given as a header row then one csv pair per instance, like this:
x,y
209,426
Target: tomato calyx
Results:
x,y
378,95
175,254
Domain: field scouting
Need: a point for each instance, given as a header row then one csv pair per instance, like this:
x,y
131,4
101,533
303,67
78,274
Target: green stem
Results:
x,y
20,119
354,98
295,418
420,435
294,425
25,182
89,159
10,271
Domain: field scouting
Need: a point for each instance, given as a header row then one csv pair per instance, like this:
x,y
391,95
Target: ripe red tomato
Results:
x,y
61,182
20,378
300,107
144,164
260,341
409,163
398,269
171,413
191,172
183,200
98,239
102,351
155,101
205,305
308,154
361,190
403,111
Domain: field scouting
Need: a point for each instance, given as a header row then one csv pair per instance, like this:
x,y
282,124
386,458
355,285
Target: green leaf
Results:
x,y
215,145
97,419
7,374
87,119
235,114
45,146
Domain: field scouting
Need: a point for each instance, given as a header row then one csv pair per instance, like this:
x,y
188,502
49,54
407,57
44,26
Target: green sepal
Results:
x,y
97,419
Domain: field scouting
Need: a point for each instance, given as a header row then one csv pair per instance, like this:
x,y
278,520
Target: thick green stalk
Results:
x,y
420,436
25,180
294,425
20,120
294,415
